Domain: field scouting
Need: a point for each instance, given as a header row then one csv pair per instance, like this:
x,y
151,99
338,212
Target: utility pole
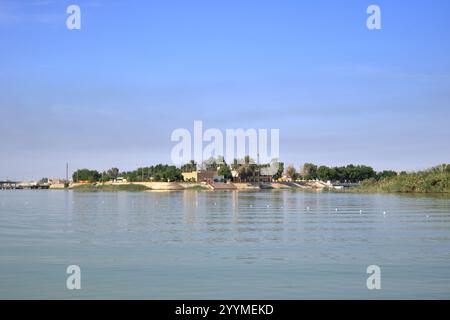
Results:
x,y
66,182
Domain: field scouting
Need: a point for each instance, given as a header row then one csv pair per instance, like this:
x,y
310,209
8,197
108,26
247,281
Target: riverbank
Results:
x,y
191,186
367,187
109,188
435,180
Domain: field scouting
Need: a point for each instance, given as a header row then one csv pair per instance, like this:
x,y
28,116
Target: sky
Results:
x,y
110,94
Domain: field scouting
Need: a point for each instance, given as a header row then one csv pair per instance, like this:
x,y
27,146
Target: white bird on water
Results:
x,y
360,211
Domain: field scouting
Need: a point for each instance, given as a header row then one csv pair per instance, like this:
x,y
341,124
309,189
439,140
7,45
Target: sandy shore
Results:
x,y
181,186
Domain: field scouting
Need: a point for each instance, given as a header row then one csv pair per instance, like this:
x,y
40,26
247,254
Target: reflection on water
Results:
x,y
281,244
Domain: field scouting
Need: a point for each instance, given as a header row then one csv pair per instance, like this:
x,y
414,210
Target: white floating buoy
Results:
x,y
360,211
384,213
336,210
268,206
307,208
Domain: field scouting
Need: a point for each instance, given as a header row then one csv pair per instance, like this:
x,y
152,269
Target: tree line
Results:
x,y
244,167
169,173
160,172
349,173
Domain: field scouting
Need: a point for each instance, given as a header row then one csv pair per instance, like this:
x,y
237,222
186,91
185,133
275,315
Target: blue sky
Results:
x,y
111,93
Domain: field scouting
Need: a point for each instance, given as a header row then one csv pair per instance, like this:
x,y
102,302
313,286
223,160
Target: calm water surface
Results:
x,y
232,245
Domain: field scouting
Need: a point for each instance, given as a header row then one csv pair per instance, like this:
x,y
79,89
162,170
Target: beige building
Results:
x,y
199,176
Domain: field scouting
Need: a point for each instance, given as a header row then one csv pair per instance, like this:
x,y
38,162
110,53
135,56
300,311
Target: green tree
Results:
x,y
104,177
386,174
309,171
189,167
225,171
325,173
86,175
160,172
235,165
291,172
113,173
280,171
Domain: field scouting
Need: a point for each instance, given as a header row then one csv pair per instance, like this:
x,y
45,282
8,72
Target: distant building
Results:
x,y
200,176
256,177
285,178
56,181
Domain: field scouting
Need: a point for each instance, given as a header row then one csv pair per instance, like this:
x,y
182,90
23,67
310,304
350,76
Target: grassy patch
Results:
x,y
197,188
110,187
430,181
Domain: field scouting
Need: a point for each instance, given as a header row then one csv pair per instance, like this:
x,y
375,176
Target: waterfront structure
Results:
x,y
200,176
56,181
8,185
256,176
23,185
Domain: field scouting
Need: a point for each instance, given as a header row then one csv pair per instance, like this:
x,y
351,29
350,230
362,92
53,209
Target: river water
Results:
x,y
223,245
